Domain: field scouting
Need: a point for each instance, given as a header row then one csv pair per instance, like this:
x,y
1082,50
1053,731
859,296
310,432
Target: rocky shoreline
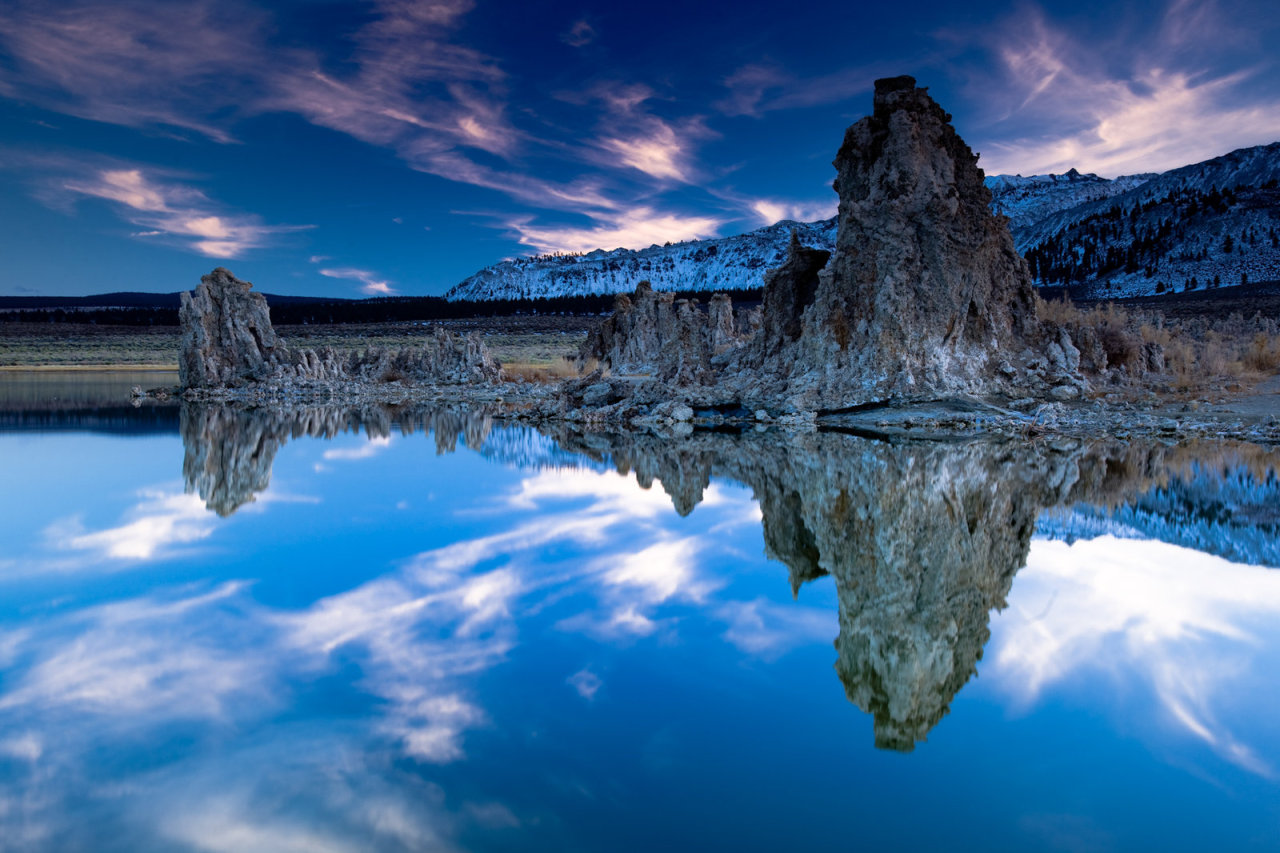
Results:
x,y
957,418
923,321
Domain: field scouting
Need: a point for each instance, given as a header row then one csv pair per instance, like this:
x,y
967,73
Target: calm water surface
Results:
x,y
322,630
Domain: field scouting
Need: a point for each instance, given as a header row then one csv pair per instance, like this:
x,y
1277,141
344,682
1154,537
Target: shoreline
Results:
x,y
1252,415
89,368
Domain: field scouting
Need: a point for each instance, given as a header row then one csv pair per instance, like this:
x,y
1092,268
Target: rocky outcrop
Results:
x,y
654,335
227,337
788,291
443,358
228,342
925,296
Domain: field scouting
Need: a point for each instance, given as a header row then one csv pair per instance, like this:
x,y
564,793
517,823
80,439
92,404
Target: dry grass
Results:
x,y
539,342
1198,354
85,345
543,373
1263,354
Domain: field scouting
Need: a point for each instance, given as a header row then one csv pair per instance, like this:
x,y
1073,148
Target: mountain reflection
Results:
x,y
922,539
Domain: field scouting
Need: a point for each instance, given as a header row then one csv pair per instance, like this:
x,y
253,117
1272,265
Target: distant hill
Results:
x,y
1027,201
1209,224
728,263
162,309
133,299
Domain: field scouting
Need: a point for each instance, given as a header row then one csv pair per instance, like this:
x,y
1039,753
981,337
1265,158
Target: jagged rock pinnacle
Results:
x,y
227,337
924,297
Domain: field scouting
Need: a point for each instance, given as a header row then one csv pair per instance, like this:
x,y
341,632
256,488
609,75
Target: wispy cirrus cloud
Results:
x,y
658,153
760,88
580,34
1063,101
586,683
636,228
139,657
405,83
1192,629
156,525
170,210
411,89
365,450
771,211
585,195
632,136
769,630
371,282
131,64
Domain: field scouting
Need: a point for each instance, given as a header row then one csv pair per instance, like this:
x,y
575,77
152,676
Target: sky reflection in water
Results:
x,y
390,649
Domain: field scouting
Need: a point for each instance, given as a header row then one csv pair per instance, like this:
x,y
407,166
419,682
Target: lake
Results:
x,y
401,629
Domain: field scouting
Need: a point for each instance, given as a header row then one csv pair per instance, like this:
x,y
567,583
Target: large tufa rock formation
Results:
x,y
227,337
925,296
788,291
228,342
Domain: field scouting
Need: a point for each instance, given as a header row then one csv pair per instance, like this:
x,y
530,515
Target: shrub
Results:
x,y
1263,354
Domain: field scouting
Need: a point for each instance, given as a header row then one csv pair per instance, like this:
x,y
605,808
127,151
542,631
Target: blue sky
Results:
x,y
395,147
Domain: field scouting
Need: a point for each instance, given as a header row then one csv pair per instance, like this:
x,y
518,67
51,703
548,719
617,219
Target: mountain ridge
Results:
x,y
1055,220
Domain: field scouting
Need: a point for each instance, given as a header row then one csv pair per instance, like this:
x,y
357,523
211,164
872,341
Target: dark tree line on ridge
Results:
x,y
390,309
1137,239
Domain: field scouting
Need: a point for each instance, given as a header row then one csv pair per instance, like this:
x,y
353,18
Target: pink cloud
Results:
x,y
171,210
1064,107
631,229
580,34
118,64
771,211
635,138
373,284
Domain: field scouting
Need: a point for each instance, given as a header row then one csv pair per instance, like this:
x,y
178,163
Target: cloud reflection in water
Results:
x,y
1199,630
348,721
417,636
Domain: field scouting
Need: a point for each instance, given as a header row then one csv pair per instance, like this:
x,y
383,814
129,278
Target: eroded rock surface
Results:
x,y
228,342
925,296
227,337
788,291
653,334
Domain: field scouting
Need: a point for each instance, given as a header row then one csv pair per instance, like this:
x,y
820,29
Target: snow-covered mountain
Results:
x,y
1027,201
1232,513
1210,224
727,263
523,447
1215,223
